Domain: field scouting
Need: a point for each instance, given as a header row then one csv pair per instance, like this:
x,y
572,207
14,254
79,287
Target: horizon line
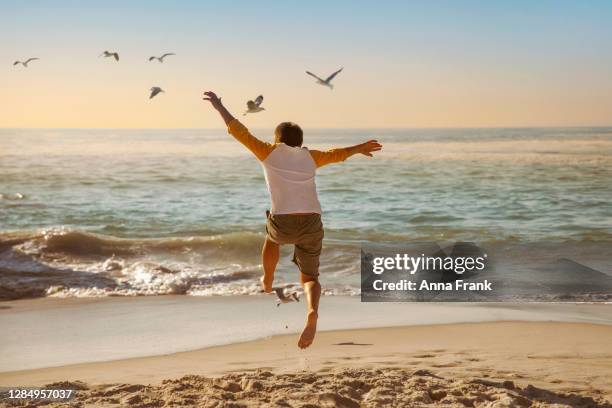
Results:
x,y
323,128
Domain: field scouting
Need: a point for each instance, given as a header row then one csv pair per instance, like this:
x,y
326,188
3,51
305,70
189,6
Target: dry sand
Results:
x,y
503,364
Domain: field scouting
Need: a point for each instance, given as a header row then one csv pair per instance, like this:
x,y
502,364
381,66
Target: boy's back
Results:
x,y
290,176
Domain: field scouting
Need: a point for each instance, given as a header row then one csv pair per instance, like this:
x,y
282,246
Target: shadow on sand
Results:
x,y
351,343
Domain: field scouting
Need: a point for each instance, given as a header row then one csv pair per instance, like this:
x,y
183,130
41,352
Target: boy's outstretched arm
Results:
x,y
259,148
322,158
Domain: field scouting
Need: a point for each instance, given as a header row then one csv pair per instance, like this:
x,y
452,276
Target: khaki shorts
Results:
x,y
303,231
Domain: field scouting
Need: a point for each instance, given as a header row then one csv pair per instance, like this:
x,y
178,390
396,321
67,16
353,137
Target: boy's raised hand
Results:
x,y
368,147
215,101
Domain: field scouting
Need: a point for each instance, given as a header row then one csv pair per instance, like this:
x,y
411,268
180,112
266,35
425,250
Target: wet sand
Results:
x,y
56,332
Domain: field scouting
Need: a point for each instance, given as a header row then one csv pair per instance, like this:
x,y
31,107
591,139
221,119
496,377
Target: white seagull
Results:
x,y
161,59
325,82
26,62
254,106
107,54
155,90
285,298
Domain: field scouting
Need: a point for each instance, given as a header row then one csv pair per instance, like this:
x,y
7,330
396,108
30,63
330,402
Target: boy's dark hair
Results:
x,y
289,133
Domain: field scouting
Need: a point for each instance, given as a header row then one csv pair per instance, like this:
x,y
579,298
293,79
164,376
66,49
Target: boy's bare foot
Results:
x,y
308,334
266,283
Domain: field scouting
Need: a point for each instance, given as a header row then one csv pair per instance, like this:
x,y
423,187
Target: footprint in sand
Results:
x,y
390,363
445,365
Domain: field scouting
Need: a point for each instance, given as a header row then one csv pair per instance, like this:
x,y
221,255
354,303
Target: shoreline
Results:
x,y
51,332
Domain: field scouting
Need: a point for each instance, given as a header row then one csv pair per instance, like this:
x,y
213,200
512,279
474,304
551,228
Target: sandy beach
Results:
x,y
479,355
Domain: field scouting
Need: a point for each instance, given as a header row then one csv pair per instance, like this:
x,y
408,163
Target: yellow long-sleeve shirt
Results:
x,y
262,149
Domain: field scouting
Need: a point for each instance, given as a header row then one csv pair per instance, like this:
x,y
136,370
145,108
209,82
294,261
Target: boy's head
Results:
x,y
289,133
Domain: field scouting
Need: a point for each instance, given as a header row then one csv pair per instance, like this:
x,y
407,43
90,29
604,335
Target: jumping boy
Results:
x,y
295,215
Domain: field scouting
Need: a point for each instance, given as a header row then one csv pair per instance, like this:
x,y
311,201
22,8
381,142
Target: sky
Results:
x,y
407,64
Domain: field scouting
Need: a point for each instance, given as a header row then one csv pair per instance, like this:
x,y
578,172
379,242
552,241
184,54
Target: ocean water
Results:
x,y
146,212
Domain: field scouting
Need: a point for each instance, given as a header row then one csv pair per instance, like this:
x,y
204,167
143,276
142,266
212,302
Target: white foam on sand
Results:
x,y
54,332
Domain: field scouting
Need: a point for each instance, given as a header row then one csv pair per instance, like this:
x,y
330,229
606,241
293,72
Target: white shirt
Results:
x,y
290,176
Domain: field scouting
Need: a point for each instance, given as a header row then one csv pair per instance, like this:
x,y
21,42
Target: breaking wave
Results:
x,y
63,262
70,263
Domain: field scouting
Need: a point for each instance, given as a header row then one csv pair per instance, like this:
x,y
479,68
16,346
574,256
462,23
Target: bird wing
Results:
x,y
313,75
166,54
16,62
116,56
251,105
280,293
329,78
154,91
31,59
259,100
151,58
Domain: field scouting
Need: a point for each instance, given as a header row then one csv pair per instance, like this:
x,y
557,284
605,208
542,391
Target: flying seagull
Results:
x,y
26,62
161,59
154,91
325,82
254,106
288,298
107,54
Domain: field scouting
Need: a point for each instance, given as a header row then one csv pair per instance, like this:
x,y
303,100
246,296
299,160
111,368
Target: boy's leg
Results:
x,y
306,256
269,258
312,290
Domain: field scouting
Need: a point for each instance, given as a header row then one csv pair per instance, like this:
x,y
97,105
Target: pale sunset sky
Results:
x,y
406,63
